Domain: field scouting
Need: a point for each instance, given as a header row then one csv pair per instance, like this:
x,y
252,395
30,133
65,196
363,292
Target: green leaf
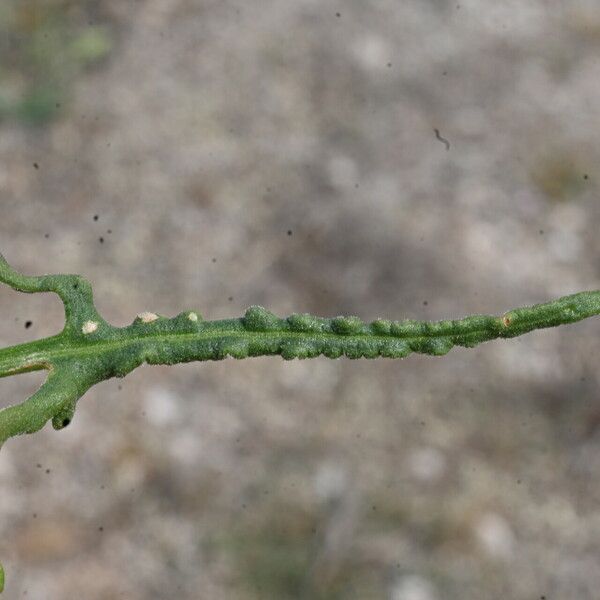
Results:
x,y
90,350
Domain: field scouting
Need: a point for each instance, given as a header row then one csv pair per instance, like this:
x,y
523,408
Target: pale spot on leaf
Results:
x,y
89,327
147,317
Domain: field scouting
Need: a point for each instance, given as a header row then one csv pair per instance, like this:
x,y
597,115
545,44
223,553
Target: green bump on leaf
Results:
x,y
381,327
304,322
64,416
292,349
347,325
233,347
301,349
408,328
437,346
367,348
258,318
333,349
395,349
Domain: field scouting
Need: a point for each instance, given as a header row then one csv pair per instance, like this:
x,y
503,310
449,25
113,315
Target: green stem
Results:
x,y
90,350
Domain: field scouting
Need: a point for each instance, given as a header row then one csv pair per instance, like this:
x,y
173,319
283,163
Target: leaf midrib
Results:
x,y
100,346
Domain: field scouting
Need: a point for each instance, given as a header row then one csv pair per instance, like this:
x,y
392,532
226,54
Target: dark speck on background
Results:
x,y
96,217
28,324
442,139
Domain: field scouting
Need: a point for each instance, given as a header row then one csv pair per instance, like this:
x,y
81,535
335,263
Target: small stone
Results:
x,y
495,536
427,465
331,481
413,587
161,407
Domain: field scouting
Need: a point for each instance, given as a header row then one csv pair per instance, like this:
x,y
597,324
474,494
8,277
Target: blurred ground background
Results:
x,y
216,154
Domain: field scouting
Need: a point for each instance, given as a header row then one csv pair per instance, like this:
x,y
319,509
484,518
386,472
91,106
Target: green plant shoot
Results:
x,y
89,350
